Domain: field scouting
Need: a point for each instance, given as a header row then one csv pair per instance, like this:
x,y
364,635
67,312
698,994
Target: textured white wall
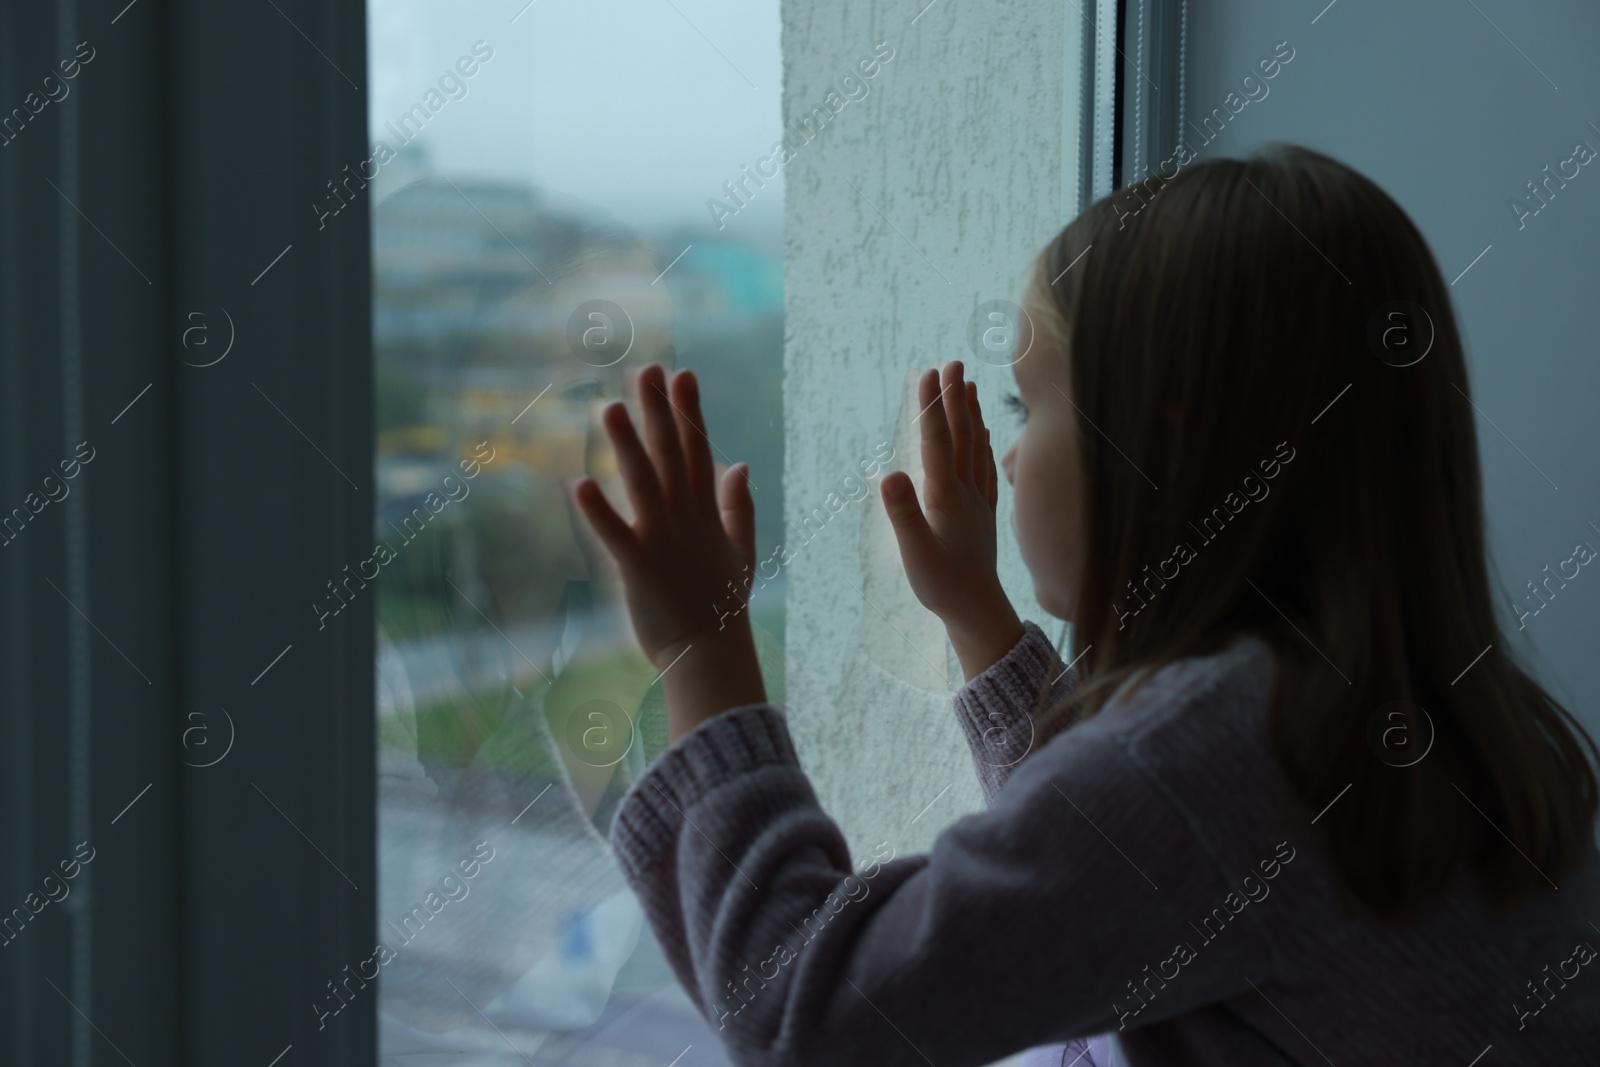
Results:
x,y
910,208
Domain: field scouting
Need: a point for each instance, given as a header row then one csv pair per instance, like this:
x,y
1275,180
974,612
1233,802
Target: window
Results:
x,y
568,192
540,227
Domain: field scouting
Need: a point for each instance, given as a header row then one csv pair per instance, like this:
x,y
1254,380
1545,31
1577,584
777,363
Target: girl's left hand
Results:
x,y
685,557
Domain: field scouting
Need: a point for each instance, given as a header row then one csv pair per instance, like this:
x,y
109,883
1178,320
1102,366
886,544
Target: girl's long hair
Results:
x,y
1268,372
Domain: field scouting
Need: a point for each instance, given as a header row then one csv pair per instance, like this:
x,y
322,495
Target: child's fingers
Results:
x,y
692,437
937,462
638,472
661,430
956,410
994,471
739,510
975,410
613,531
982,469
911,530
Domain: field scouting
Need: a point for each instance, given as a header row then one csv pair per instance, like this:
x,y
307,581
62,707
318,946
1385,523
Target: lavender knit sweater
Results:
x,y
1147,872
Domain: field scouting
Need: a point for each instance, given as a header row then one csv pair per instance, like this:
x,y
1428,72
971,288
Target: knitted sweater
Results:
x,y
1147,872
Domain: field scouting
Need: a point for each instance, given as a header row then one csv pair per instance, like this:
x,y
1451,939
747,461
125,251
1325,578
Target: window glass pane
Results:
x,y
539,186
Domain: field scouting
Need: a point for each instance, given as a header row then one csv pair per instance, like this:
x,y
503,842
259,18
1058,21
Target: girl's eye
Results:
x,y
1014,403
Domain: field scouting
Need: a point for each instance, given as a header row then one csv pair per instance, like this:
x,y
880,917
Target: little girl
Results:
x,y
1294,803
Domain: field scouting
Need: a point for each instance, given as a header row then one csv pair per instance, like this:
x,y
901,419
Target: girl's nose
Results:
x,y
1007,462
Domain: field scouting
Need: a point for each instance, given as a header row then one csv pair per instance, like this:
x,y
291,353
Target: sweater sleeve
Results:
x,y
1027,924
996,709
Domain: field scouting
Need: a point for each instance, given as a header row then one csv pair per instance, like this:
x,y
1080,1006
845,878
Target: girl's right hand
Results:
x,y
948,546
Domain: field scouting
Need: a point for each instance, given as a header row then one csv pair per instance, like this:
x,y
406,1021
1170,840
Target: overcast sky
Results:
x,y
641,108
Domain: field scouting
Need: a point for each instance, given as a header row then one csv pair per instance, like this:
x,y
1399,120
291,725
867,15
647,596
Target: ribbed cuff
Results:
x,y
995,708
724,747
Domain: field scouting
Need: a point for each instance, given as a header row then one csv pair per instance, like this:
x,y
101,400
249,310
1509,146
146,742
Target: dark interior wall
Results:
x,y
1453,108
170,706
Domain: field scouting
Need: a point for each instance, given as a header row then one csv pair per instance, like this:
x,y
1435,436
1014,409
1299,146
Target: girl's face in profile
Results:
x,y
1043,469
